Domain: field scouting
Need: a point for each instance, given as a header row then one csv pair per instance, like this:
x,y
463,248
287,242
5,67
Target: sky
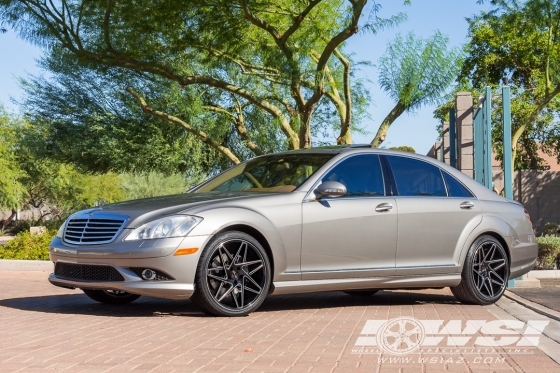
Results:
x,y
424,18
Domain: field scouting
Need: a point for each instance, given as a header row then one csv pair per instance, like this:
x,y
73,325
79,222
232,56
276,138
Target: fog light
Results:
x,y
149,274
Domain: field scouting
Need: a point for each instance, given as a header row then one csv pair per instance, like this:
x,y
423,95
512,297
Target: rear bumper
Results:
x,y
523,251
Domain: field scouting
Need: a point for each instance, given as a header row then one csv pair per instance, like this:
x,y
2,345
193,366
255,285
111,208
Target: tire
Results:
x,y
361,293
111,296
224,286
485,273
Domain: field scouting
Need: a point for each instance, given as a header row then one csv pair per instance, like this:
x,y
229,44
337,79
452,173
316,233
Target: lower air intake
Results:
x,y
82,272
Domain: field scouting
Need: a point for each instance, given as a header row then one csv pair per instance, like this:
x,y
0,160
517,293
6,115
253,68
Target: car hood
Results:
x,y
141,211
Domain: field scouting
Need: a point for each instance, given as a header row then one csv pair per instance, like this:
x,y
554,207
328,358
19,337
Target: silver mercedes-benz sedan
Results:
x,y
349,218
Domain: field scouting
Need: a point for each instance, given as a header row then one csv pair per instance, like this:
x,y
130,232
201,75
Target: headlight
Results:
x,y
170,226
60,231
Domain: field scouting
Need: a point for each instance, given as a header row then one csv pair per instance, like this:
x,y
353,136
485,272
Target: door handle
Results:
x,y
382,207
466,205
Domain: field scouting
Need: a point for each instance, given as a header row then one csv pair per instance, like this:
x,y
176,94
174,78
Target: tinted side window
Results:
x,y
416,178
360,174
455,188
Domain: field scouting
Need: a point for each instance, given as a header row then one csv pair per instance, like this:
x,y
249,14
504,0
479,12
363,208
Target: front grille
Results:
x,y
82,272
93,230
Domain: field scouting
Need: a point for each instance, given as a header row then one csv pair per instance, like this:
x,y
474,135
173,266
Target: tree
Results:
x,y
272,58
415,72
11,189
29,179
520,40
86,119
53,187
153,184
404,148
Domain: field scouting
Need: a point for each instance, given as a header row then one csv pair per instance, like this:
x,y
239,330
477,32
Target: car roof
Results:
x,y
340,149
330,149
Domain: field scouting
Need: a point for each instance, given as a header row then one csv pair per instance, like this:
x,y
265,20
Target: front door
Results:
x,y
354,235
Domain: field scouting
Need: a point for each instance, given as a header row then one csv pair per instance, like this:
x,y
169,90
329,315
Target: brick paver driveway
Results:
x,y
49,329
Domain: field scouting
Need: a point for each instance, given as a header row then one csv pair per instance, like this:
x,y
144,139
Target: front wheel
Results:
x,y
111,296
485,273
233,275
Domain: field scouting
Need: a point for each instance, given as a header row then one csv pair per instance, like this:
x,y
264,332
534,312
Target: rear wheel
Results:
x,y
361,293
485,273
111,296
233,275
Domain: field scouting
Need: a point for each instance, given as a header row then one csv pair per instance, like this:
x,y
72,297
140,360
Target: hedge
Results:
x,y
549,252
28,246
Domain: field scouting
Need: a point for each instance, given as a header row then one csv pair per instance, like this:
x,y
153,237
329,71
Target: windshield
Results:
x,y
272,173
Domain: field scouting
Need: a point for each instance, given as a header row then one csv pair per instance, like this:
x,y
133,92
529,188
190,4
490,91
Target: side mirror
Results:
x,y
330,189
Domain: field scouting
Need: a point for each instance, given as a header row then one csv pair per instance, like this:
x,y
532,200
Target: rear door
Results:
x,y
434,209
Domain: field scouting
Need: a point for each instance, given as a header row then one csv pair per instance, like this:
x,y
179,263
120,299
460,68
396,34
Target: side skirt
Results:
x,y
389,282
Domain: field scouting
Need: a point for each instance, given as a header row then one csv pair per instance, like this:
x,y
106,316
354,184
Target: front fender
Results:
x,y
218,219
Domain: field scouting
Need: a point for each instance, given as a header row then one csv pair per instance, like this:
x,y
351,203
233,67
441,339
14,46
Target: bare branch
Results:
x,y
345,127
106,26
244,65
239,123
298,20
335,42
173,119
259,22
281,42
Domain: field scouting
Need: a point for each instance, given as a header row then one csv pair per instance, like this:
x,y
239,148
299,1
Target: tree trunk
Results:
x,y
384,127
305,129
8,220
345,138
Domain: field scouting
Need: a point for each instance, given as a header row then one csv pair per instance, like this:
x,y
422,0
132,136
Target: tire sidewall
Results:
x,y
469,277
202,293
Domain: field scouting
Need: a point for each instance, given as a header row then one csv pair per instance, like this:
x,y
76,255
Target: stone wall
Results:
x,y
538,191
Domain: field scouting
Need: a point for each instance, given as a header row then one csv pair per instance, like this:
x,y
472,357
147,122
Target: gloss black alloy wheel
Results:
x,y
485,273
233,275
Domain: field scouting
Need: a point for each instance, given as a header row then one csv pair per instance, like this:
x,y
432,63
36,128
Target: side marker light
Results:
x,y
188,251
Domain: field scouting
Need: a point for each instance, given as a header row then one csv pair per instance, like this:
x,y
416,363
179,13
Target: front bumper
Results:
x,y
181,268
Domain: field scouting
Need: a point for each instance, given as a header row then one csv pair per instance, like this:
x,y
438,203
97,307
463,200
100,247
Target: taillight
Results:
x,y
527,216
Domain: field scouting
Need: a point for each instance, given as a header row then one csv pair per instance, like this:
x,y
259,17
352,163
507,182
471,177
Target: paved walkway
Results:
x,y
547,295
49,329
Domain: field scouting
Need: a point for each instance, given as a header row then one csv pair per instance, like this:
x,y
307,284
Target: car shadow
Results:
x,y
149,307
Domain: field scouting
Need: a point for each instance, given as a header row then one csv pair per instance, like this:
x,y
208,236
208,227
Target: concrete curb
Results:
x,y
544,273
25,265
533,306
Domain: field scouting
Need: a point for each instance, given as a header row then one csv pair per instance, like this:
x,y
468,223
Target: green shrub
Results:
x,y
550,229
28,246
549,252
